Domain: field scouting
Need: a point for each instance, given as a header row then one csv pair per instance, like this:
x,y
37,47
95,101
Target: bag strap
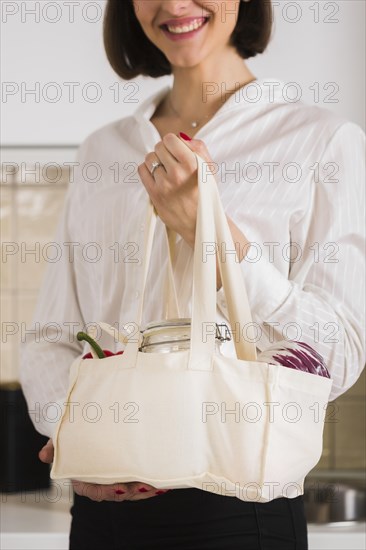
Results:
x,y
212,234
170,293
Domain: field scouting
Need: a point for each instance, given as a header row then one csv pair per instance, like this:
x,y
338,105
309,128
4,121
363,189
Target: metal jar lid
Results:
x,y
174,330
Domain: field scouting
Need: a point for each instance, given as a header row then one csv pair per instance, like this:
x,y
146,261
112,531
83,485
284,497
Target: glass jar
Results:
x,y
173,335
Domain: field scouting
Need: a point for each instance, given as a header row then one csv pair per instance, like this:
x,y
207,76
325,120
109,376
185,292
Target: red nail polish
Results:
x,y
184,136
143,490
160,492
119,492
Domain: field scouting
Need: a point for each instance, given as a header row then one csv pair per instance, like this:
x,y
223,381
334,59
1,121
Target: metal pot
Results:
x,y
335,501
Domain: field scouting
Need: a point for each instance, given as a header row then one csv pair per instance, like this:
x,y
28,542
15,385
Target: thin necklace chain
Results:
x,y
197,122
193,123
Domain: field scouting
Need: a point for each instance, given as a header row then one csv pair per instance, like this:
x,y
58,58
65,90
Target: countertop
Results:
x,y
41,521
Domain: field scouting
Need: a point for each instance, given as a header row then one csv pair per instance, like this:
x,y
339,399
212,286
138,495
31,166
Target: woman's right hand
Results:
x,y
117,492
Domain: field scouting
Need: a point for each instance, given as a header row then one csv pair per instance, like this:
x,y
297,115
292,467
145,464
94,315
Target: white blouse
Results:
x,y
291,177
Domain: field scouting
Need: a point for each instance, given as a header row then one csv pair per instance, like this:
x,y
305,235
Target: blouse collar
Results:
x,y
257,92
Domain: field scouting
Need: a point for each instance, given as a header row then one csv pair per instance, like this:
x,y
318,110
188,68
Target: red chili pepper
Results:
x,y
106,352
101,353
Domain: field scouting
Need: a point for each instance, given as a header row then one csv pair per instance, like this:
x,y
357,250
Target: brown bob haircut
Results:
x,y
131,53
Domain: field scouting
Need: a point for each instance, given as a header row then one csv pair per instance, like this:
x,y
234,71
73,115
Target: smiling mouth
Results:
x,y
183,29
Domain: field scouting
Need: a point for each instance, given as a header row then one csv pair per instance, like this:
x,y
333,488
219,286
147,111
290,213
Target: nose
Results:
x,y
176,7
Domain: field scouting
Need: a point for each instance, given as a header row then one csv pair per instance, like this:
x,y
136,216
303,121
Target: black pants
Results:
x,y
188,519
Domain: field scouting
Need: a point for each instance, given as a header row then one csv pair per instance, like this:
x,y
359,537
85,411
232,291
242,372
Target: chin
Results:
x,y
185,62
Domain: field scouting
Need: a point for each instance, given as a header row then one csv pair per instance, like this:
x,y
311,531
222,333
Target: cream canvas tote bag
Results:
x,y
194,418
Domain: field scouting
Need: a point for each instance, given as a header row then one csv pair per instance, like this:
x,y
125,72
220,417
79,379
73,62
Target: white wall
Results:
x,y
315,43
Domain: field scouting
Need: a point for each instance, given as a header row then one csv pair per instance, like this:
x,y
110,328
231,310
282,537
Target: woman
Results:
x,y
290,179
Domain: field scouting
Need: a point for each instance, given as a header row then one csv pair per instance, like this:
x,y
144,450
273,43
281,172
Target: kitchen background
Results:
x,y
57,87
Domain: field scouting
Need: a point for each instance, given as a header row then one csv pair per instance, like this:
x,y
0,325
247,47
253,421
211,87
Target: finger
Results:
x,y
47,452
178,149
116,492
95,491
130,491
198,146
136,487
152,158
147,179
118,495
143,490
166,156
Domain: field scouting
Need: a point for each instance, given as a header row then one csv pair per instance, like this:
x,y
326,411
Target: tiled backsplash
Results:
x,y
29,214
31,202
344,432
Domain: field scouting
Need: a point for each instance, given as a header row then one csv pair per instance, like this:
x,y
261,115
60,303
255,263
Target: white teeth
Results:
x,y
196,24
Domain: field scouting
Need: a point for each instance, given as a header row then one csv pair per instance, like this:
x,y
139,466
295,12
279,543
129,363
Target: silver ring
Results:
x,y
154,166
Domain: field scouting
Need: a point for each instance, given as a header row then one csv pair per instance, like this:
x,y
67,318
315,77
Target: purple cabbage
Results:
x,y
295,355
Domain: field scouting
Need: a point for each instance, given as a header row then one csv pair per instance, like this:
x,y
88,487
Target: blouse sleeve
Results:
x,y
51,345
324,293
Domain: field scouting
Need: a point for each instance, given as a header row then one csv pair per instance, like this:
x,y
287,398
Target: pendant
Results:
x,y
194,124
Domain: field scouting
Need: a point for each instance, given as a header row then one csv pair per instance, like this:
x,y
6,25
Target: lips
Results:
x,y
185,26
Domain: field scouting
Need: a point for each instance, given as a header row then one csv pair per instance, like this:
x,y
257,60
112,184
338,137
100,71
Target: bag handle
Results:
x,y
213,233
170,293
211,230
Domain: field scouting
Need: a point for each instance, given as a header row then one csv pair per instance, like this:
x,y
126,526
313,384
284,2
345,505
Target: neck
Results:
x,y
199,91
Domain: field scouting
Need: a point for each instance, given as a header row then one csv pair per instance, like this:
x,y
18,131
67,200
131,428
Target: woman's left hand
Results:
x,y
116,492
173,188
